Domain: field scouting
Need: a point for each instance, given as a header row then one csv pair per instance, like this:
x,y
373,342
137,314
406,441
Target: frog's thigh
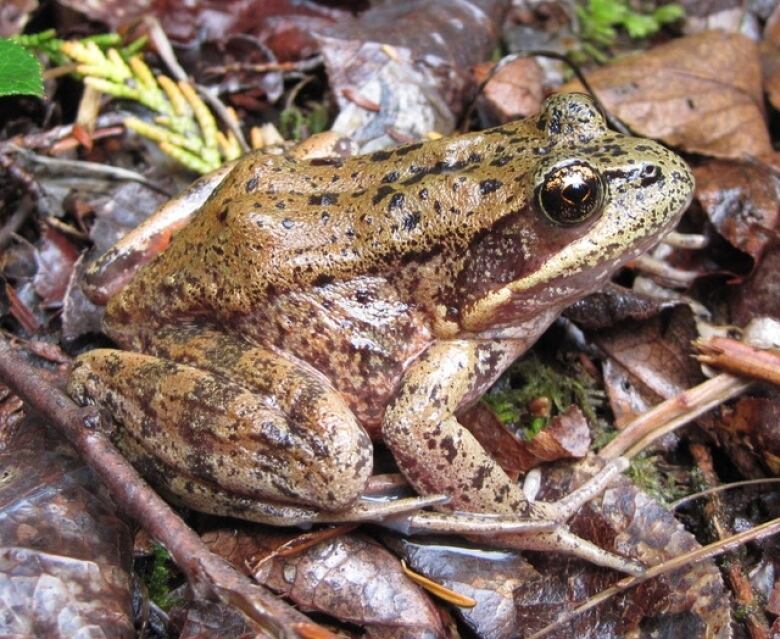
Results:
x,y
432,449
251,442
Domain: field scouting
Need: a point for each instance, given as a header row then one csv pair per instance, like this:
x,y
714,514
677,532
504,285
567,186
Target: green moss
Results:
x,y
159,579
647,473
531,379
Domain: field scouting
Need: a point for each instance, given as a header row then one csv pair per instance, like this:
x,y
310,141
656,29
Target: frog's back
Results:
x,y
279,225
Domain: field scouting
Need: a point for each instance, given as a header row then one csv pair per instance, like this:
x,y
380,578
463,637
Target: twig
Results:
x,y
735,570
700,554
740,358
208,574
81,167
309,64
673,413
721,488
14,222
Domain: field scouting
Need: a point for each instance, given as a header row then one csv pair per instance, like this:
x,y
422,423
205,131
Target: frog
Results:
x,y
308,308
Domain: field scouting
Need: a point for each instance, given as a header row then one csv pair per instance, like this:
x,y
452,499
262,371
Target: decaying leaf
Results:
x,y
55,257
211,620
760,294
689,603
350,577
412,58
770,57
566,436
742,200
647,362
65,560
700,93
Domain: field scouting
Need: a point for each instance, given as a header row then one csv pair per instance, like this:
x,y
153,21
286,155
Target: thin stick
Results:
x,y
673,413
723,487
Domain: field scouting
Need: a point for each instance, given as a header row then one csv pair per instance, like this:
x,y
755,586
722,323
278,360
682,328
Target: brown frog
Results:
x,y
311,306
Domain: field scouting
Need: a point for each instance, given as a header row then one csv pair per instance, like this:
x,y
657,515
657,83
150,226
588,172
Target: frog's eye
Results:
x,y
571,193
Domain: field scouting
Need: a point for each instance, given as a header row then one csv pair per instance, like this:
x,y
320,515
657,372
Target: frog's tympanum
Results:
x,y
312,306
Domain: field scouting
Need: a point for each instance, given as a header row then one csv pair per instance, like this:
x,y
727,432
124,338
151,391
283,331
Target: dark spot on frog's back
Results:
x,y
488,186
381,193
324,199
404,150
393,176
251,184
323,280
397,201
222,215
381,156
411,220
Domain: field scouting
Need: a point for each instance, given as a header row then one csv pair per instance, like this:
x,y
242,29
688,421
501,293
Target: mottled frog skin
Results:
x,y
311,306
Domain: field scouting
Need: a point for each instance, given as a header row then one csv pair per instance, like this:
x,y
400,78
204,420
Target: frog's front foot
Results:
x,y
438,455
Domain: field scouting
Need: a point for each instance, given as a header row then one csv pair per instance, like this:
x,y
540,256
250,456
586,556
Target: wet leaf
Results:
x,y
700,93
211,620
647,362
488,576
351,577
758,418
742,200
691,602
55,257
66,556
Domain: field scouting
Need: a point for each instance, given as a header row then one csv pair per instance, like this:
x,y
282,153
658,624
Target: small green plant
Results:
x,y
600,20
183,127
295,124
20,71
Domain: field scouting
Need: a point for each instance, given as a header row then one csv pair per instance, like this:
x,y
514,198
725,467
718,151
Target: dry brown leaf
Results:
x,y
770,57
515,91
701,93
648,362
742,200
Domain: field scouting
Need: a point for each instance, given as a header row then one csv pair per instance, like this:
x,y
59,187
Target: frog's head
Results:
x,y
595,199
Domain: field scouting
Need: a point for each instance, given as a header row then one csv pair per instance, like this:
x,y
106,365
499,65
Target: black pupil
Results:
x,y
576,193
571,194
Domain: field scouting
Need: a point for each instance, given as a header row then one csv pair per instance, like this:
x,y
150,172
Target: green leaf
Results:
x,y
20,71
668,13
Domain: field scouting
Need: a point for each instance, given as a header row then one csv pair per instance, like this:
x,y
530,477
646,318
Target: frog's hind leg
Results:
x,y
221,413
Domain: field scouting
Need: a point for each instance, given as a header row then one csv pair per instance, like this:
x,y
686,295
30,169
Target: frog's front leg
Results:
x,y
438,455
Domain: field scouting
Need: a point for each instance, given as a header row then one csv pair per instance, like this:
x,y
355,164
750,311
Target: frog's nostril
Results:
x,y
650,174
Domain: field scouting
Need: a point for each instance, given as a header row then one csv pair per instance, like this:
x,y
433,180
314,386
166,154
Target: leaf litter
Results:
x,y
702,94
